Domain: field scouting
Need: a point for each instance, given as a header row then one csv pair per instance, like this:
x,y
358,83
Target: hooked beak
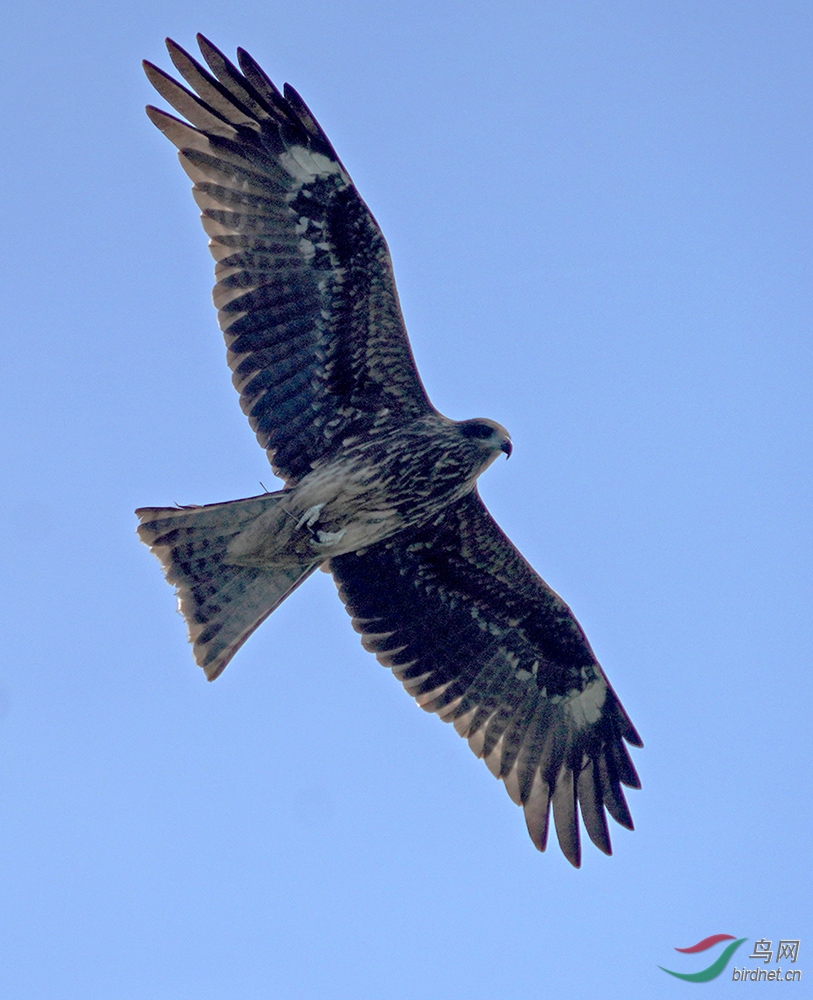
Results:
x,y
507,447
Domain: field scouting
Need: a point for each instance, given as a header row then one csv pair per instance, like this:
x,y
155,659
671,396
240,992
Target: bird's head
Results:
x,y
489,437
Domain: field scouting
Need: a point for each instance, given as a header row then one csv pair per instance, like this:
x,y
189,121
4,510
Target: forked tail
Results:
x,y
221,601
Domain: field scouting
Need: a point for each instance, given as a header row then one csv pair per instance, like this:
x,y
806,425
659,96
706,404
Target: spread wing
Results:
x,y
475,635
305,292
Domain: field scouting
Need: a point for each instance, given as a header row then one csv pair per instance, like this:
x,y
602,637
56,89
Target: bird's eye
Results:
x,y
480,431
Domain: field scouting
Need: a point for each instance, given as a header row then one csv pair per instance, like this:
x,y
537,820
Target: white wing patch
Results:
x,y
585,706
304,165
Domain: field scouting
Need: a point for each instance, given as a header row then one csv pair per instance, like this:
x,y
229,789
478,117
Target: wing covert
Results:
x,y
305,292
476,636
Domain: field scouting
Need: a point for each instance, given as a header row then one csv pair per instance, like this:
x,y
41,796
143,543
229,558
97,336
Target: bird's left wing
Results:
x,y
305,293
475,635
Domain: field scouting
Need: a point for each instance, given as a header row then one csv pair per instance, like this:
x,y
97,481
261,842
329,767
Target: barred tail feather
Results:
x,y
221,601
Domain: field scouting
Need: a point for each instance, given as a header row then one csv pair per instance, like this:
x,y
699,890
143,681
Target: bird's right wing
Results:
x,y
475,635
305,291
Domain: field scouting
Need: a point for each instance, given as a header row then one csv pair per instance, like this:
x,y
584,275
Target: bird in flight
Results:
x,y
380,489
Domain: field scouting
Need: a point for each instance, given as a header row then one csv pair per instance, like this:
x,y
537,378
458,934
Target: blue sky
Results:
x,y
600,219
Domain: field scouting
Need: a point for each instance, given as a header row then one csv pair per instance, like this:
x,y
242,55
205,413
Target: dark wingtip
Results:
x,y
632,737
209,49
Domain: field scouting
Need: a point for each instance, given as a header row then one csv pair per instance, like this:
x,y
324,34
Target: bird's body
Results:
x,y
373,488
380,488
